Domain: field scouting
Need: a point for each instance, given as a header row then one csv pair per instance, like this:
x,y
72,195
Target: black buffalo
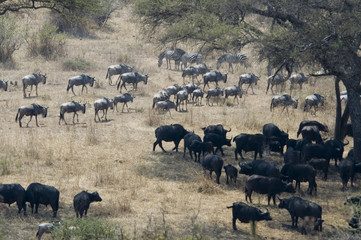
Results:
x,y
347,172
320,164
292,156
10,193
217,140
320,126
218,129
189,138
312,133
246,214
231,172
298,144
270,130
169,133
249,142
335,148
259,167
213,163
316,151
267,185
82,202
37,193
301,173
298,207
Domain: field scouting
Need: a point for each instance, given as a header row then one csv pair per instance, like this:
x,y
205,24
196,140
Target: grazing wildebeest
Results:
x,y
285,101
172,54
198,94
347,172
231,173
218,129
217,140
298,207
304,123
214,76
276,80
133,78
248,78
249,142
33,79
232,58
312,133
172,90
182,96
162,95
102,104
37,193
246,214
298,78
169,133
300,173
260,167
189,138
31,110
266,185
10,193
4,85
214,92
235,91
313,101
81,79
123,98
165,106
82,202
213,163
117,70
190,58
192,72
271,130
71,107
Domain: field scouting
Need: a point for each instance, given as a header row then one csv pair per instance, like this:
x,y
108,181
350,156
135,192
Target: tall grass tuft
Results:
x,y
76,64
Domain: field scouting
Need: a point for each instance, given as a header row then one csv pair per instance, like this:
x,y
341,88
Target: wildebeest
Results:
x,y
82,200
217,140
235,91
246,214
165,106
102,104
266,185
298,78
33,79
37,193
231,173
248,78
312,101
198,95
172,90
10,193
214,92
169,133
347,172
312,133
276,80
83,80
133,78
192,72
117,70
31,110
232,58
285,101
260,167
218,129
249,142
182,96
301,173
4,85
123,98
162,95
213,163
189,138
320,126
71,107
190,87
298,207
271,130
214,76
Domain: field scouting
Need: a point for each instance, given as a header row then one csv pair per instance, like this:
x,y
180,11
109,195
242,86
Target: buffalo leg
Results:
x,y
218,175
234,223
36,207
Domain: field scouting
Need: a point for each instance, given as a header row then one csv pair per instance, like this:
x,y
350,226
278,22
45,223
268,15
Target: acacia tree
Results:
x,y
287,33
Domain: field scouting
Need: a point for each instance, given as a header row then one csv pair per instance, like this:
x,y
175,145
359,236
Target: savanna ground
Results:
x,y
146,194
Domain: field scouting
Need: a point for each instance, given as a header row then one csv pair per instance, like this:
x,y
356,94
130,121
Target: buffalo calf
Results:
x,y
231,172
82,202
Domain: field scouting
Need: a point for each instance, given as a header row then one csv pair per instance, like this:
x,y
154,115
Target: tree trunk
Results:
x,y
338,134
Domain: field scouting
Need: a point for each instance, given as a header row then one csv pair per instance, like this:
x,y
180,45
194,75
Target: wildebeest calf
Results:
x,y
82,202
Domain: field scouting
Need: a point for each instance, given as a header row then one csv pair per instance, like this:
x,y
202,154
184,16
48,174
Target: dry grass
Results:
x,y
146,193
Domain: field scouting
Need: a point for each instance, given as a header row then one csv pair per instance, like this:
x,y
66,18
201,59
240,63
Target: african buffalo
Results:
x,y
213,163
37,193
169,133
82,202
10,193
249,142
259,167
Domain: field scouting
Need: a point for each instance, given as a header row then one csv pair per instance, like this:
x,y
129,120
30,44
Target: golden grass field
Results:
x,y
142,190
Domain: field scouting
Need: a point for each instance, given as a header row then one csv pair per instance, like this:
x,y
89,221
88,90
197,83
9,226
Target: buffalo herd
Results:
x,y
302,159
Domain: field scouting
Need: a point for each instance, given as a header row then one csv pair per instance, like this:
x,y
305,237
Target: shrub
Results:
x,y
76,64
9,39
46,42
